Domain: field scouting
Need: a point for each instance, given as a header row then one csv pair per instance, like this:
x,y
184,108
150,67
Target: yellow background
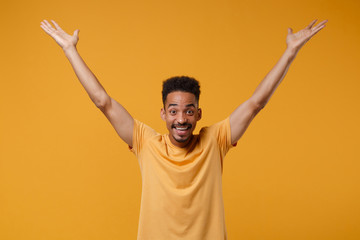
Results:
x,y
64,172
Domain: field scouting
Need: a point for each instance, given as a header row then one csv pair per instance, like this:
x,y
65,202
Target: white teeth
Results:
x,y
181,128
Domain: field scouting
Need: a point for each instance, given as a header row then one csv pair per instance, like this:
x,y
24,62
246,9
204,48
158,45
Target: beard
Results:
x,y
182,140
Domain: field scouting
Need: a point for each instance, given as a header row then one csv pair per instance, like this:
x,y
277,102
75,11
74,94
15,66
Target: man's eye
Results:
x,y
190,112
172,111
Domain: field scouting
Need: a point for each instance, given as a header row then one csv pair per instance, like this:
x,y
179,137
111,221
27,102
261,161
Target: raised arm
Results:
x,y
241,118
120,119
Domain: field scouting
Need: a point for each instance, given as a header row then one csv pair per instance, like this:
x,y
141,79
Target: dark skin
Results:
x,y
181,113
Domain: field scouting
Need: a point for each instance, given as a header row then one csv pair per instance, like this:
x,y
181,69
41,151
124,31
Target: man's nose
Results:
x,y
182,119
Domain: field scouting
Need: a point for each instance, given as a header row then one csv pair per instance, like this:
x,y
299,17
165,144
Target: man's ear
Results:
x,y
199,114
162,114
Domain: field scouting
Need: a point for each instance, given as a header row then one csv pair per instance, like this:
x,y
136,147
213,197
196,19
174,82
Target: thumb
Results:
x,y
290,31
76,33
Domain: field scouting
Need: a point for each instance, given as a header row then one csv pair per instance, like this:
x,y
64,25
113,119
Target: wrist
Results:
x,y
69,48
290,52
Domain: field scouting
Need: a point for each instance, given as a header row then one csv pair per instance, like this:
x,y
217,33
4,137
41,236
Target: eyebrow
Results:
x,y
190,105
174,104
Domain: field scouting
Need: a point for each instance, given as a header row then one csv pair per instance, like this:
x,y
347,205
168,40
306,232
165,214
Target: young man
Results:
x,y
181,172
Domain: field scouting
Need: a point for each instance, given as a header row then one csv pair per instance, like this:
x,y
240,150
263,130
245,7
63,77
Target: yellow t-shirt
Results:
x,y
182,187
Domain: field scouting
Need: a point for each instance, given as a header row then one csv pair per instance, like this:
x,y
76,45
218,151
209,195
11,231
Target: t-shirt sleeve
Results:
x,y
222,133
141,132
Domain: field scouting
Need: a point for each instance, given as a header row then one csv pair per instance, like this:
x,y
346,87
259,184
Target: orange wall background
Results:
x,y
64,172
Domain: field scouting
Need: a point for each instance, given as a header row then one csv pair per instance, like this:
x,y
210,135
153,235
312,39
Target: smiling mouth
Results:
x,y
181,128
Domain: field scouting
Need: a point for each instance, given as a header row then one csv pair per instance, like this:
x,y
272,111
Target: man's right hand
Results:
x,y
62,38
119,118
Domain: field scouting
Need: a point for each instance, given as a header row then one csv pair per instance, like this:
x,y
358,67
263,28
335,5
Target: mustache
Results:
x,y
181,125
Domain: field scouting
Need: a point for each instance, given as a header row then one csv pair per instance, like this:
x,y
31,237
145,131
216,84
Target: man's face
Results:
x,y
181,113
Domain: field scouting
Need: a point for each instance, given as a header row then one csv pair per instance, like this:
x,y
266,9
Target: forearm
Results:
x,y
87,79
272,80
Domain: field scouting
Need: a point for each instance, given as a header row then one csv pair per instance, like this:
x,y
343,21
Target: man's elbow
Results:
x,y
257,106
102,101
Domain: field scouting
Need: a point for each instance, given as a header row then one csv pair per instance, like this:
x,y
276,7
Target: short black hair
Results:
x,y
183,84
